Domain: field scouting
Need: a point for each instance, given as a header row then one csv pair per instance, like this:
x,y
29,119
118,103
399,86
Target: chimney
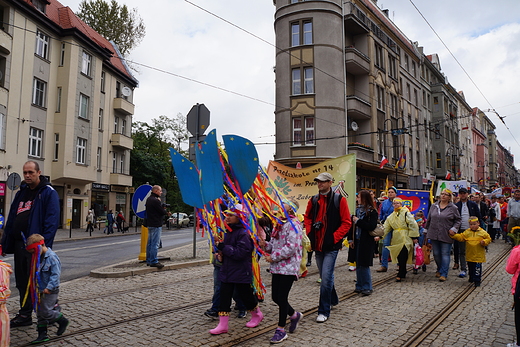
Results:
x,y
386,13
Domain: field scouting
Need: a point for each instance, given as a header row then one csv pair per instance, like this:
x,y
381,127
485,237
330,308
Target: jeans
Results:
x,y
386,252
326,262
459,254
154,236
363,278
441,255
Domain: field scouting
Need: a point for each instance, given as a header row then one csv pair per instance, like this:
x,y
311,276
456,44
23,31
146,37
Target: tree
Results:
x,y
150,159
114,22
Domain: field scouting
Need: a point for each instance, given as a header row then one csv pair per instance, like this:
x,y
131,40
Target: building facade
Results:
x,y
66,103
349,81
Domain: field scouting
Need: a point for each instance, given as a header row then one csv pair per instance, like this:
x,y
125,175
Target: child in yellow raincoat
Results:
x,y
405,234
476,240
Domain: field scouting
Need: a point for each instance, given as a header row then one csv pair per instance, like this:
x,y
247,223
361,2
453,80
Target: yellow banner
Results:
x,y
299,183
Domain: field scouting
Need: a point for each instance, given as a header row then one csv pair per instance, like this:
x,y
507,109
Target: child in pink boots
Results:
x,y
236,272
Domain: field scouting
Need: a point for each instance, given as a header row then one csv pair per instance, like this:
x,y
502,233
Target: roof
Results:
x,y
66,19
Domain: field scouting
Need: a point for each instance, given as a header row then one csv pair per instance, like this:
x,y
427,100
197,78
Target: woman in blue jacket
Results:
x,y
236,272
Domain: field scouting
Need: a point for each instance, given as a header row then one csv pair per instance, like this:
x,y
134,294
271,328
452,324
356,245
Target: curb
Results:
x,y
99,273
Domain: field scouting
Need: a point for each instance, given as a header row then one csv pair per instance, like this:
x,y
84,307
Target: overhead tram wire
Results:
x,y
463,69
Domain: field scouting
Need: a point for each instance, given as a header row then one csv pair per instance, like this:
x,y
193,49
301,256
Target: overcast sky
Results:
x,y
188,42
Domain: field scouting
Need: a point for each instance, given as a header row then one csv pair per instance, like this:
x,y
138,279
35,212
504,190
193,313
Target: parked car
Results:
x,y
183,219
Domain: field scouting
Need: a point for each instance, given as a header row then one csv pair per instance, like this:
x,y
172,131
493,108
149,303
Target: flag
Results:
x,y
384,161
401,163
448,175
415,200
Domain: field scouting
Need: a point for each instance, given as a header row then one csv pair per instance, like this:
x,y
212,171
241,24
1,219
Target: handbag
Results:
x,y
426,250
379,231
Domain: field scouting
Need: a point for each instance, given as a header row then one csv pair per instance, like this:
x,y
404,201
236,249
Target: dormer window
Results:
x,y
40,5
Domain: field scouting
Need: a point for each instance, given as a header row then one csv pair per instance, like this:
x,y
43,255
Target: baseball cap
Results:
x,y
324,176
463,190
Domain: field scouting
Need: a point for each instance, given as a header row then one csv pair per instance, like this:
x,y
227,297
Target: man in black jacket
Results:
x,y
466,208
155,215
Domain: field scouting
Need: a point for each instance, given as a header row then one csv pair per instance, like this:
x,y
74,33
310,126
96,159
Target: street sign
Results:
x,y
198,120
194,142
139,200
13,181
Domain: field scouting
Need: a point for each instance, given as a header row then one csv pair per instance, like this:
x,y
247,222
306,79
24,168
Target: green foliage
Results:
x,y
114,22
150,159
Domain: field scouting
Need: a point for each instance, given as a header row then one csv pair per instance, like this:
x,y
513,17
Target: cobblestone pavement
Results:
x,y
165,308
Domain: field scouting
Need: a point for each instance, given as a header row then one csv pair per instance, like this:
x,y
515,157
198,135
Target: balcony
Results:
x,y
4,95
357,62
123,106
356,21
363,152
6,42
120,179
357,108
122,141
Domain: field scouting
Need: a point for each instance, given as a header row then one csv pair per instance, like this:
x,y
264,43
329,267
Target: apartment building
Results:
x,y
349,81
66,103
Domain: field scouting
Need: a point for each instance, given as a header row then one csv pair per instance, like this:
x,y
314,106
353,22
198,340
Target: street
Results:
x,y
79,257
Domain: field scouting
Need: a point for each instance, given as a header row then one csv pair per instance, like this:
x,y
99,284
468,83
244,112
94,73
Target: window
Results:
x,y
58,100
98,159
100,119
408,92
81,148
3,120
42,45
86,63
413,69
56,145
392,71
62,54
380,60
380,98
123,127
406,64
39,90
103,77
301,33
415,98
116,125
118,89
114,162
299,131
83,106
308,73
296,82
122,163
35,142
438,160
39,5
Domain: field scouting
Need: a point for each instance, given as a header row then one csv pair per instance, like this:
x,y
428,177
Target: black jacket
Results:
x,y
154,211
472,208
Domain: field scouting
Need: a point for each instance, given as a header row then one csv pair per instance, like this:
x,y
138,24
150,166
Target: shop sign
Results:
x,y
100,186
2,189
119,189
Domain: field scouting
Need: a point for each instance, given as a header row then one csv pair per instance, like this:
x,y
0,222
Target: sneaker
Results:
x,y
462,274
382,269
442,279
279,336
294,322
512,345
415,271
241,314
366,292
319,280
304,274
455,266
211,314
437,274
157,265
21,321
351,268
424,268
321,318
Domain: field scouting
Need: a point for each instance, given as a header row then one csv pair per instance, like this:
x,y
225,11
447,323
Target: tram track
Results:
x,y
414,340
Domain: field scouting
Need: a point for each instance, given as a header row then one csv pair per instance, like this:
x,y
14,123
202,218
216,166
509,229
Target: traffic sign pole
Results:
x,y
139,206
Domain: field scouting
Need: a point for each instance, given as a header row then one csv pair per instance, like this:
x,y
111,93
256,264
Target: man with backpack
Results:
x,y
327,221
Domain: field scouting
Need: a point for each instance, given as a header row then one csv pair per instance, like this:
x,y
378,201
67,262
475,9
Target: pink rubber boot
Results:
x,y
222,326
256,318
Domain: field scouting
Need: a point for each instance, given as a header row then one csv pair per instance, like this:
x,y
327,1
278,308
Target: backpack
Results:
x,y
492,214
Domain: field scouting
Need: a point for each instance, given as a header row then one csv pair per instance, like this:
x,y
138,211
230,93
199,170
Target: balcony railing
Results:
x,y
357,62
120,140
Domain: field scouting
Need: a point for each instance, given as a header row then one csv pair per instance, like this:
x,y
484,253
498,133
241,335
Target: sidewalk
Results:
x,y
176,258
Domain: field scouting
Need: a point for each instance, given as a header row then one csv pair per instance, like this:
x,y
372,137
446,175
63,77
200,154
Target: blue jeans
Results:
x,y
326,262
154,236
363,278
441,255
386,253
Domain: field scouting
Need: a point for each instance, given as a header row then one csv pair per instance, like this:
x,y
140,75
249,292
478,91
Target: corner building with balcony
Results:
x,y
349,81
65,102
